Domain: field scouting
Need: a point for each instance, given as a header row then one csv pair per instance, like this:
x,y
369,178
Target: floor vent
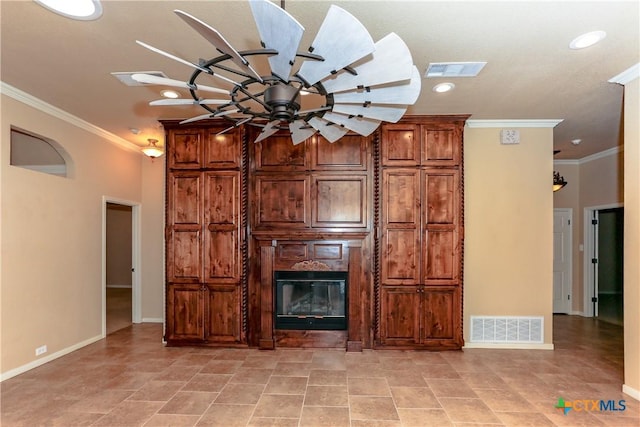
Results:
x,y
507,329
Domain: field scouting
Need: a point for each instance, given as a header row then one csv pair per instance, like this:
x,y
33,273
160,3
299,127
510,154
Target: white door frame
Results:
x,y
569,211
136,304
591,250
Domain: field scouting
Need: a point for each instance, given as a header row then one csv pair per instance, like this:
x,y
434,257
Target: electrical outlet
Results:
x,y
41,350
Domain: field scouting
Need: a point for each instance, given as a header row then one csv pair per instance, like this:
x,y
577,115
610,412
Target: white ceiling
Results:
x,y
530,73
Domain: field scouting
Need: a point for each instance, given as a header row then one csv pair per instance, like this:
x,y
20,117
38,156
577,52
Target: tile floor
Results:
x,y
130,379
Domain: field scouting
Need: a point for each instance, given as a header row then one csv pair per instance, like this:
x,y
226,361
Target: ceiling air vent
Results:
x,y
454,69
125,77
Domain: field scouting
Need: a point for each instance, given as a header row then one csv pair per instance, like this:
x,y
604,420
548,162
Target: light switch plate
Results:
x,y
509,136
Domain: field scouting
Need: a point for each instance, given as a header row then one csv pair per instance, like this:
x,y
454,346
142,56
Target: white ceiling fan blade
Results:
x,y
377,112
170,56
235,125
280,31
268,130
364,127
341,40
328,130
300,131
209,116
405,93
216,39
391,62
183,101
155,80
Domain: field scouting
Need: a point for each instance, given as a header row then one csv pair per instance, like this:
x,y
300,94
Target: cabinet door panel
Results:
x,y
222,151
185,312
224,314
340,201
401,257
277,153
441,145
223,198
400,145
347,153
441,257
441,308
400,315
442,193
185,199
283,201
401,198
222,263
185,149
185,256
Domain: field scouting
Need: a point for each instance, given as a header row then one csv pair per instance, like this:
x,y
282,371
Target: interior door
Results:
x,y
562,261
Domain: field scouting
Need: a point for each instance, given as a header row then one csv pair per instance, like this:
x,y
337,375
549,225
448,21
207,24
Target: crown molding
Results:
x,y
45,107
602,154
627,76
533,123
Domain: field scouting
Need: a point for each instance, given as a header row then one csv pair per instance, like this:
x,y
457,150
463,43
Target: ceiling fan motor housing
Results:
x,y
284,99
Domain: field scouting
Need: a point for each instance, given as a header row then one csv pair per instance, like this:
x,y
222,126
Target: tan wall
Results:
x,y
508,226
119,245
51,238
632,237
152,262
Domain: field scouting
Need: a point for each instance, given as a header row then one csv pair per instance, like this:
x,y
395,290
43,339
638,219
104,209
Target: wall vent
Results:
x,y
507,329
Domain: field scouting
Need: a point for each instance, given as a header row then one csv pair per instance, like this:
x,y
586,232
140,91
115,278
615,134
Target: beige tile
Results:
x,y
188,403
366,370
279,405
252,376
172,420
319,416
524,419
183,373
129,413
462,410
157,391
241,394
207,382
101,402
327,377
226,415
286,385
405,379
438,372
423,417
372,408
368,386
375,423
414,397
326,395
477,380
504,400
292,369
221,367
450,388
273,422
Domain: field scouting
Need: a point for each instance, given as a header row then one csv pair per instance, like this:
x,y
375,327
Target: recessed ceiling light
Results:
x,y
443,87
84,10
576,141
170,94
588,39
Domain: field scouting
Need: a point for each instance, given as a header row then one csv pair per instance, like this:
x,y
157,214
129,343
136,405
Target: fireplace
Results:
x,y
311,300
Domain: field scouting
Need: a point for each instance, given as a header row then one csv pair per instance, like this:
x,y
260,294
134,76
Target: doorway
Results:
x,y
120,297
604,239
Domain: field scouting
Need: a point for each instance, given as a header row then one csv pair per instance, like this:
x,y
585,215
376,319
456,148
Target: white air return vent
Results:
x,y
125,77
454,69
507,330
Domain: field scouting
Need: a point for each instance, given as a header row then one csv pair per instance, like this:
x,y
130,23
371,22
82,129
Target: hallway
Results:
x,y
131,379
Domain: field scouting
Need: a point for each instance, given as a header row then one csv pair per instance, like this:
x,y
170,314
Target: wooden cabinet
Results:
x,y
203,236
421,233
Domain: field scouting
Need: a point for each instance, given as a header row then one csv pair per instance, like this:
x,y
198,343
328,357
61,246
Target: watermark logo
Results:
x,y
588,405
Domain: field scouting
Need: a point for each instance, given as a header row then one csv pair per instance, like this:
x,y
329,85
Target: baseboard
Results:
x,y
120,286
577,313
510,346
631,391
152,320
39,362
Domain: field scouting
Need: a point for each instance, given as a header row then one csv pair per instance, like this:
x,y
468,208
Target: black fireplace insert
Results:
x,y
315,300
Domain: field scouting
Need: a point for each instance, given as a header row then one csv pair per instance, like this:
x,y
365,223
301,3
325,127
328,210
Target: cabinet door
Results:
x,y
441,144
222,227
400,144
441,243
185,312
277,153
349,153
401,226
223,314
441,309
400,317
184,227
222,151
339,201
185,149
283,201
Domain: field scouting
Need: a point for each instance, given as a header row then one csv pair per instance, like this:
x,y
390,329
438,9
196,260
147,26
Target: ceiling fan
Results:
x,y
358,83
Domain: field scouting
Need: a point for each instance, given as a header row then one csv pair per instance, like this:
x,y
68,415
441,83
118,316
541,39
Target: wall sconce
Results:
x,y
152,150
558,181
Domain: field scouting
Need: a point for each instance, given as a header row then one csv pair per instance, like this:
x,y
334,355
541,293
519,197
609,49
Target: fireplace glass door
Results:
x,y
311,300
